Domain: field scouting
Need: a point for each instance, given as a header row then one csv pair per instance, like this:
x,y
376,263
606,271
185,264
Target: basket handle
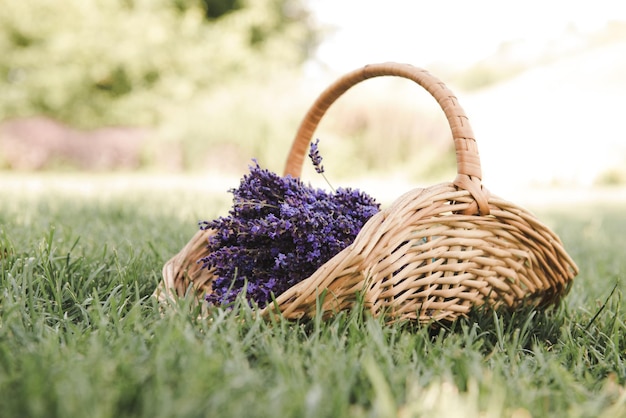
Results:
x,y
468,162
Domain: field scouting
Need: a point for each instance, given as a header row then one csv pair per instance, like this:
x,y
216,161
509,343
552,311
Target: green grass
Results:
x,y
80,335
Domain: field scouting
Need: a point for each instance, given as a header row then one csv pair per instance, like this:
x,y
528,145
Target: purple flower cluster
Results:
x,y
316,158
278,232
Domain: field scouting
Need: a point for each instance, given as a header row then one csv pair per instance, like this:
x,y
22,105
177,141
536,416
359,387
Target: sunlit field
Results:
x,y
80,334
123,126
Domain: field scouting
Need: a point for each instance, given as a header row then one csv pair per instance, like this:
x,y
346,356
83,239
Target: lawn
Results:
x,y
80,335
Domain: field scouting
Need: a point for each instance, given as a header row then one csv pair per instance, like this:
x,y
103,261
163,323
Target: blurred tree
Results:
x,y
218,8
91,63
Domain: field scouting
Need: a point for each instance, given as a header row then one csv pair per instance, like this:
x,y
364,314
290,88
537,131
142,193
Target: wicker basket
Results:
x,y
434,254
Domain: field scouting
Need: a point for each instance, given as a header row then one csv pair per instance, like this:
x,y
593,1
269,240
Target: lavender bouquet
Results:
x,y
278,232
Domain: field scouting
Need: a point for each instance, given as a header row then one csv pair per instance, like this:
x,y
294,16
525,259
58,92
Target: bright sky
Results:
x,y
570,103
452,31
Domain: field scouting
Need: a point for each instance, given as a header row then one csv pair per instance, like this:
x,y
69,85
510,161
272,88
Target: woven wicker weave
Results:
x,y
434,254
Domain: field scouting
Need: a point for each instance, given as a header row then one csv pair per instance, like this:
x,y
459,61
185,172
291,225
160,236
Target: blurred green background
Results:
x,y
206,85
189,85
190,73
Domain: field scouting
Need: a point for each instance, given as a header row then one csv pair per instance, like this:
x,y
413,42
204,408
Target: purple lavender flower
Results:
x,y
278,232
316,158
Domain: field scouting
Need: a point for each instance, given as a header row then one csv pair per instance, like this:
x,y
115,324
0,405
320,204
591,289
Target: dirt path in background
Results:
x,y
384,190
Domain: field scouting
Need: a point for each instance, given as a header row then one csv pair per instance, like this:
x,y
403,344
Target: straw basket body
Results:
x,y
434,254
